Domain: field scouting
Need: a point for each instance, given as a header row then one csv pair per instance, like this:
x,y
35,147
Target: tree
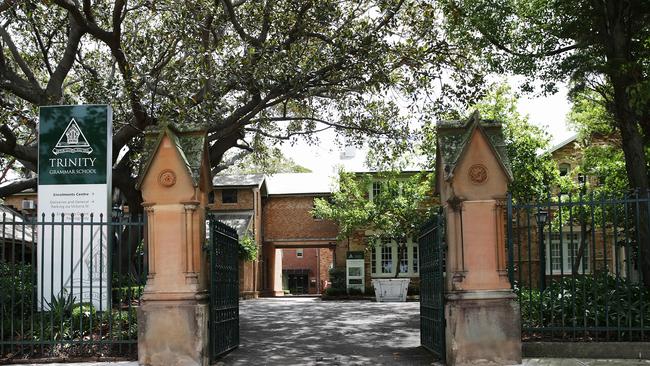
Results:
x,y
397,211
599,46
253,71
268,162
602,155
533,169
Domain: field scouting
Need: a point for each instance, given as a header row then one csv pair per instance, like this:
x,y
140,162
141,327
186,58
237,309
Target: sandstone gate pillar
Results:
x,y
175,182
481,311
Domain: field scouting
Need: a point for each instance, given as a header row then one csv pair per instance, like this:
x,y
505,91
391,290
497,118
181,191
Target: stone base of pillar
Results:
x,y
173,332
271,293
249,295
483,328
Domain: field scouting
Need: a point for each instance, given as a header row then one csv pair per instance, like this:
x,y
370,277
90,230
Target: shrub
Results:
x,y
333,291
413,290
81,315
248,249
586,301
337,276
16,287
355,292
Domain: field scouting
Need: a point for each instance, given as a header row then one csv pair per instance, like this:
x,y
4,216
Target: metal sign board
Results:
x,y
74,185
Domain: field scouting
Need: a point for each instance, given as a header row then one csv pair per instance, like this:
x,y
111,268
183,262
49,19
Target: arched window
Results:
x,y
564,169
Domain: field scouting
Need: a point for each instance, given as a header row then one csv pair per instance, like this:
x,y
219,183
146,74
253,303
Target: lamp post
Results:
x,y
542,216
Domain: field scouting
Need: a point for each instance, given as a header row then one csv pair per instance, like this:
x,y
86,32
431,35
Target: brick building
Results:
x,y
604,243
306,271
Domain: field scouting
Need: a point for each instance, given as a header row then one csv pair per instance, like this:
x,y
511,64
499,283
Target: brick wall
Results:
x,y
17,200
245,200
316,260
289,217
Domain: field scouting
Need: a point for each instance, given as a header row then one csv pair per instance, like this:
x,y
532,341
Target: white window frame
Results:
x,y
381,182
300,253
552,240
377,260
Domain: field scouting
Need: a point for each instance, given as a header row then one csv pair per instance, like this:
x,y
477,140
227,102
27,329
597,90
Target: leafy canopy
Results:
x,y
401,203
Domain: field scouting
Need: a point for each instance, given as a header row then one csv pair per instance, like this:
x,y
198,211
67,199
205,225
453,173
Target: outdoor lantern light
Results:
x,y
541,217
581,179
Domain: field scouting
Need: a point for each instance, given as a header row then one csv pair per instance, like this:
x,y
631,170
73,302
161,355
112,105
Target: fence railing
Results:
x,y
69,285
576,264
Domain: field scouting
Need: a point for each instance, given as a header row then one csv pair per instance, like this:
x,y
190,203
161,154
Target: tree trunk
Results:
x,y
624,73
400,255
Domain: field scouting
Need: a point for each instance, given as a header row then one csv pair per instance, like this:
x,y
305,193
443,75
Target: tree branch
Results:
x,y
230,11
287,136
54,88
17,187
7,4
18,58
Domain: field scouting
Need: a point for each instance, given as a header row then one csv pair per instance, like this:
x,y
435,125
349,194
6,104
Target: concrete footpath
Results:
x,y
308,331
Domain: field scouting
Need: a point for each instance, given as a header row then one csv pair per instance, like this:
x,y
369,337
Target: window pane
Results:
x,y
354,271
415,259
404,260
376,189
556,256
386,258
229,196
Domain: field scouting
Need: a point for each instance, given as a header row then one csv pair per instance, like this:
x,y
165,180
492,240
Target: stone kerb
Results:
x,y
483,322
175,181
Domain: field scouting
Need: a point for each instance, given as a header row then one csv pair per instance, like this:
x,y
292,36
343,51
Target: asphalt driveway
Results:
x,y
308,331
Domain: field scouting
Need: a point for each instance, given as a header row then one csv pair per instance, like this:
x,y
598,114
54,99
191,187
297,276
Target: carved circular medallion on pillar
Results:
x,y
478,174
167,178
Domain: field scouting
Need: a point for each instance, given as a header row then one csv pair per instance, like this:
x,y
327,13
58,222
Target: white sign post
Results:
x,y
74,191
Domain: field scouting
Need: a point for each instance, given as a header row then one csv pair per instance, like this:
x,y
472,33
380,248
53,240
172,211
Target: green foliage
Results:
x,y
571,41
603,160
335,291
586,301
16,287
248,249
268,161
256,72
61,305
533,172
355,292
349,206
370,291
81,317
413,290
337,277
398,211
126,294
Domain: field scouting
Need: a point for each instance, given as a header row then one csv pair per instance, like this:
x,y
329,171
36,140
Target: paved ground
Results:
x,y
311,332
308,331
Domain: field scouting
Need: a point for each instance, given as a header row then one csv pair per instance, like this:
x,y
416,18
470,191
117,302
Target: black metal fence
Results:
x,y
224,288
432,283
576,264
69,285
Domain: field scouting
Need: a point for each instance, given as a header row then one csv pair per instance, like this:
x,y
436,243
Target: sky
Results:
x,y
548,112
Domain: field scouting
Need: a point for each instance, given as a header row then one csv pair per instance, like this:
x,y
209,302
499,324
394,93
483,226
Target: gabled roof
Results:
x,y
563,143
189,140
239,180
454,138
299,184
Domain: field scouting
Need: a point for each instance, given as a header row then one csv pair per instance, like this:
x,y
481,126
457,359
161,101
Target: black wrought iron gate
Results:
x,y
432,297
224,288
